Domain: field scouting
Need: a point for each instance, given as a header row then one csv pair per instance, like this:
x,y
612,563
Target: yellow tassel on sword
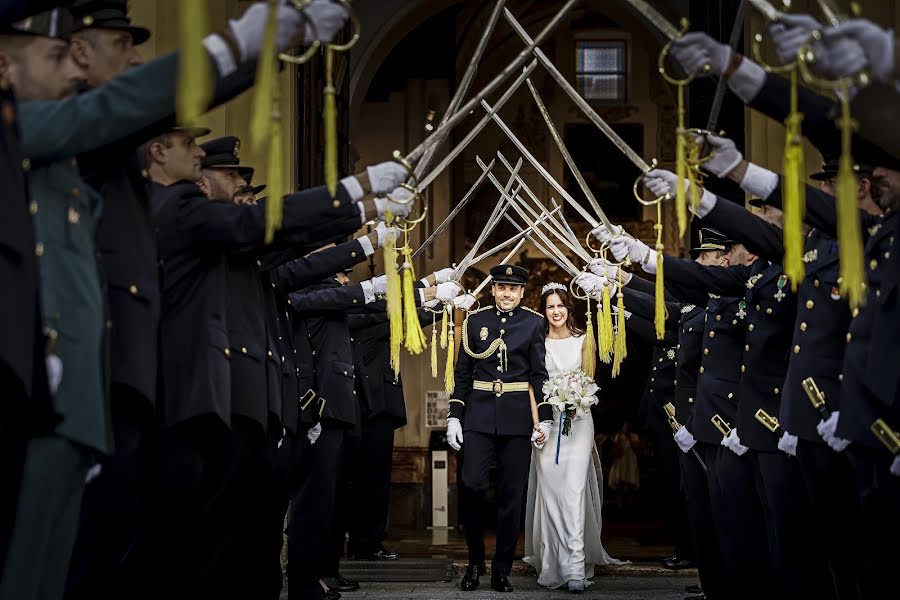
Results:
x,y
413,336
434,345
620,349
194,69
392,294
850,245
794,190
451,355
604,327
329,115
589,349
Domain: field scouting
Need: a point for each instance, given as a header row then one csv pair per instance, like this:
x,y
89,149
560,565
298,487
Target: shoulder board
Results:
x,y
532,311
475,312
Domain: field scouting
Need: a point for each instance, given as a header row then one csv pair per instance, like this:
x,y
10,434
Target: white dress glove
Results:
x,y
590,283
447,291
443,275
379,285
313,434
605,235
93,473
791,33
726,157
788,444
327,19
620,247
454,433
398,204
661,182
827,428
876,43
464,302
684,439
895,466
386,176
385,233
249,28
54,372
733,442
545,428
695,50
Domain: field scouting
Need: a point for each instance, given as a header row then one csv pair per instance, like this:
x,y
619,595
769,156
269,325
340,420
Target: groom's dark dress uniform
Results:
x,y
491,400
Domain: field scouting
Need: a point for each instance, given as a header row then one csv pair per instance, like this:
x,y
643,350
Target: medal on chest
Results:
x,y
780,295
742,312
483,334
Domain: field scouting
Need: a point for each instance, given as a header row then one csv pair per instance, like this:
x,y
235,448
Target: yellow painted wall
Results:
x,y
161,17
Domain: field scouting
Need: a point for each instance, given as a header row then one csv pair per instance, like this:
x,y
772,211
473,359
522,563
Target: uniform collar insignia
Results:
x,y
687,308
874,229
752,281
811,256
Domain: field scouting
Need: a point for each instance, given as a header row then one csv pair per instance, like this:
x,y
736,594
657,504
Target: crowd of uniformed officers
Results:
x,y
169,381
784,400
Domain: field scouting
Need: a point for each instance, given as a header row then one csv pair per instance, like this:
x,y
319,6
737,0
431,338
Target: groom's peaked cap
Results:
x,y
513,274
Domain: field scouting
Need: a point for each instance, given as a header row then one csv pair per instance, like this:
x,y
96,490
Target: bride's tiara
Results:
x,y
553,286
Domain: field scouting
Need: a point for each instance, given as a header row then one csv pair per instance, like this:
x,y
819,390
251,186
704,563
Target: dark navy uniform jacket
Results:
x,y
195,235
510,413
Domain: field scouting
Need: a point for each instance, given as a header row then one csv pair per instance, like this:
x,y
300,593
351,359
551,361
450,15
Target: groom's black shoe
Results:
x,y
470,579
500,583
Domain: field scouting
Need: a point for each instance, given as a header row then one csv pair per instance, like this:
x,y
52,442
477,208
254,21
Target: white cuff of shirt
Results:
x,y
366,244
424,281
649,264
421,292
351,184
759,181
220,54
368,291
707,203
747,80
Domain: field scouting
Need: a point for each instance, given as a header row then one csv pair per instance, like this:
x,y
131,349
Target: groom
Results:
x,y
502,354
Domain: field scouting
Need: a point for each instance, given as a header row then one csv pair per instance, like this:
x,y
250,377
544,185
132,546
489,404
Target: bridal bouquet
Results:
x,y
571,392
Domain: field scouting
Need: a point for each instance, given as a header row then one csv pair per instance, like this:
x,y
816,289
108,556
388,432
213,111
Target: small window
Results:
x,y
600,70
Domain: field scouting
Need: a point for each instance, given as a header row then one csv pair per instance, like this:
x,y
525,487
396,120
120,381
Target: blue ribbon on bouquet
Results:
x,y
562,416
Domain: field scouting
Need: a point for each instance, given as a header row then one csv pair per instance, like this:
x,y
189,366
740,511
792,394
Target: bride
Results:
x,y
565,495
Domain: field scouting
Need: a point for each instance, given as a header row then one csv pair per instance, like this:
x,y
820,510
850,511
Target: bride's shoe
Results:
x,y
576,586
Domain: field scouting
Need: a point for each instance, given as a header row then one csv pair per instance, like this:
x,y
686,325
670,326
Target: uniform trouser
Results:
x,y
372,486
831,483
13,443
252,564
707,556
795,551
513,458
879,498
46,519
110,512
313,511
180,543
667,453
742,527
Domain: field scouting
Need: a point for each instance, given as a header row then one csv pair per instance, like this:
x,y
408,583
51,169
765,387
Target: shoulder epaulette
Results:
x,y
531,310
475,312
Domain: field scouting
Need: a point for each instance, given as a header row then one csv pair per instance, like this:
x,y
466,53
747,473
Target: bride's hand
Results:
x,y
538,435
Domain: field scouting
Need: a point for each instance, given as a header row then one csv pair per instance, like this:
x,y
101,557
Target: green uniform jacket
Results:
x,y
66,215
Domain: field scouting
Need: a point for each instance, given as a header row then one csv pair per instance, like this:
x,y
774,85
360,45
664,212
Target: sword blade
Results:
x,y
766,9
540,168
507,72
543,250
456,210
722,85
487,279
505,243
699,460
651,15
578,99
832,13
451,156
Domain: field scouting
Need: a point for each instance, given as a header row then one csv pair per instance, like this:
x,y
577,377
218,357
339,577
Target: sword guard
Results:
x,y
664,53
357,28
639,197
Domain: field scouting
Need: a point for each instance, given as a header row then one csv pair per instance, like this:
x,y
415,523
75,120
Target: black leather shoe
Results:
x,y
470,579
500,583
693,589
678,563
666,559
317,590
341,584
698,597
382,554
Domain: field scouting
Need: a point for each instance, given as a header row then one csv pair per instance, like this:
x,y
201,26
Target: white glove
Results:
x,y
895,466
454,433
640,253
443,275
695,50
877,44
725,158
684,439
93,473
590,283
788,444
54,372
841,56
327,19
248,29
661,182
733,443
313,434
398,204
791,33
385,233
544,427
379,285
604,235
464,302
386,176
827,428
447,291
620,247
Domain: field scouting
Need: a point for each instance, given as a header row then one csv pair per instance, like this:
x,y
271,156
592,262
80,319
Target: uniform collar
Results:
x,y
506,313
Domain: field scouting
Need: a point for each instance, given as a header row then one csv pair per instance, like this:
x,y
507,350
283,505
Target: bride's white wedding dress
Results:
x,y
563,513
